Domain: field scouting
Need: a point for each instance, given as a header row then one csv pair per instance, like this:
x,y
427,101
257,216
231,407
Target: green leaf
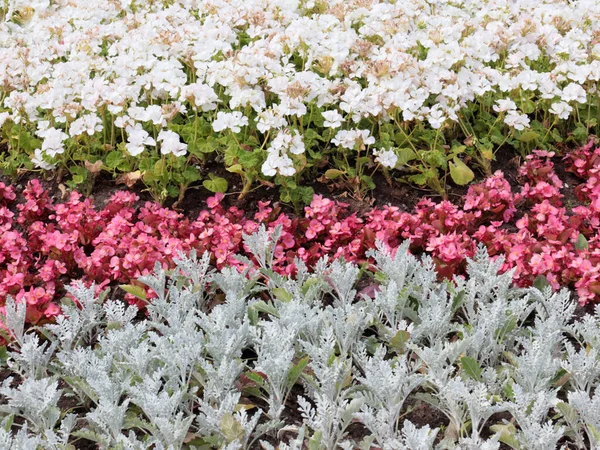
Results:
x,y
191,174
315,441
528,107
528,136
136,291
399,340
296,371
232,430
3,355
113,159
419,179
8,422
282,294
460,173
508,326
582,243
405,155
541,282
506,434
332,174
471,367
261,306
236,168
580,133
215,184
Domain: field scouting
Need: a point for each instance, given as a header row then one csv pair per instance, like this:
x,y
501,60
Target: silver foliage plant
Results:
x,y
250,359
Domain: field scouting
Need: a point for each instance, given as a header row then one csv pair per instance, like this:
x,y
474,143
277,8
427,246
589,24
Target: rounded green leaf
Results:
x,y
215,184
460,173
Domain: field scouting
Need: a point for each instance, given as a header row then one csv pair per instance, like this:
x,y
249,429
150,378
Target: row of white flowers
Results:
x,y
65,63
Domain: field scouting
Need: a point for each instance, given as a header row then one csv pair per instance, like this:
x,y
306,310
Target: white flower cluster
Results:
x,y
79,63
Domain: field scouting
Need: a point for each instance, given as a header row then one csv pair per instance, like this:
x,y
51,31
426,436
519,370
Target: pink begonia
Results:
x,y
46,243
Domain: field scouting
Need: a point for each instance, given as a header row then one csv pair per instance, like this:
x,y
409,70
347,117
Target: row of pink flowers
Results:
x,y
45,244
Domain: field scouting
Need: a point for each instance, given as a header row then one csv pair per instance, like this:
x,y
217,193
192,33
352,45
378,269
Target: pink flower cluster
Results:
x,y
47,244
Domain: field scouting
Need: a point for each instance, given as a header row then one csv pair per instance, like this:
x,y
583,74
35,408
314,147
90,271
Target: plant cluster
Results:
x,y
120,243
280,92
252,359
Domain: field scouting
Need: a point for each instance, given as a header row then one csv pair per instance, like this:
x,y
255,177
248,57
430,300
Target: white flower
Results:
x,y
297,144
269,119
170,143
436,118
3,118
137,138
38,160
349,138
200,96
276,163
333,119
561,109
124,121
154,114
575,92
53,141
233,121
387,158
90,124
517,121
504,105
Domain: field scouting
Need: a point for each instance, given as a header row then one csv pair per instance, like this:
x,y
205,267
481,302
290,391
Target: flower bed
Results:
x,y
256,360
281,92
46,243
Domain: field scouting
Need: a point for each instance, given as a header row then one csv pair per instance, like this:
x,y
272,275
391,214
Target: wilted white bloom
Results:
x,y
137,138
349,138
90,124
53,141
504,105
233,121
170,143
387,158
561,109
517,121
333,119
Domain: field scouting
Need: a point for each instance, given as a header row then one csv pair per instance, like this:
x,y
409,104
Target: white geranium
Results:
x,y
561,109
137,138
276,163
90,124
233,121
574,92
387,158
504,105
436,118
38,160
349,138
4,116
517,121
53,141
333,119
200,96
170,143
